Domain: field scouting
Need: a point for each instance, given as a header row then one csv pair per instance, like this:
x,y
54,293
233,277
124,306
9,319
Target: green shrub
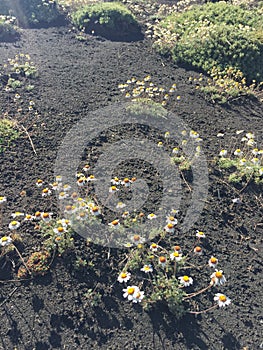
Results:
x,y
221,35
111,20
8,30
33,13
8,133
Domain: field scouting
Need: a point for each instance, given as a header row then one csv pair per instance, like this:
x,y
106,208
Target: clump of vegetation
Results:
x,y
8,133
33,13
217,35
8,28
111,20
242,164
225,86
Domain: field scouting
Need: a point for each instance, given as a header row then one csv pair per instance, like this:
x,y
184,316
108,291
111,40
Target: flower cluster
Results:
x,y
245,159
165,275
143,89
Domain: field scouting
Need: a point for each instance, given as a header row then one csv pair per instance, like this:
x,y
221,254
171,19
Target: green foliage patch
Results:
x,y
8,29
33,13
220,34
108,19
8,133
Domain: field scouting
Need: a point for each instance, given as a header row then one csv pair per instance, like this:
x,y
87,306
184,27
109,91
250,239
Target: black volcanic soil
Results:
x,y
51,312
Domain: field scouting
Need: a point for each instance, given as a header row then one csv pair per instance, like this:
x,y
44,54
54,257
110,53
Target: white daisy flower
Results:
x,y
212,262
2,199
17,214
46,192
113,189
59,230
138,296
154,247
124,277
151,216
223,153
120,205
39,183
14,225
130,291
114,223
162,261
218,278
200,234
147,268
169,228
186,280
175,256
126,182
95,210
238,152
5,241
222,300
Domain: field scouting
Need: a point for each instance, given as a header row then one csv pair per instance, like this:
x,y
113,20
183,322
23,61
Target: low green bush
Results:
x,y
111,20
8,29
8,133
33,13
215,35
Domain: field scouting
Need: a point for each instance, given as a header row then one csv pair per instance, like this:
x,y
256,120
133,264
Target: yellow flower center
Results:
x,y
126,180
95,209
171,218
60,229
114,188
213,260
4,239
45,190
13,223
177,248
130,290
170,225
68,207
123,275
136,238
92,177
58,239
115,222
222,298
176,254
154,245
186,278
198,249
218,274
46,215
162,259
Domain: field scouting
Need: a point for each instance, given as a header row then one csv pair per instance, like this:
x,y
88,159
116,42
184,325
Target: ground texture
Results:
x,y
51,312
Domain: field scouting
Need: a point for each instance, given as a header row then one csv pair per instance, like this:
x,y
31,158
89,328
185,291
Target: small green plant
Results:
x,y
8,28
225,86
145,91
108,19
57,238
8,133
242,164
37,264
93,297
